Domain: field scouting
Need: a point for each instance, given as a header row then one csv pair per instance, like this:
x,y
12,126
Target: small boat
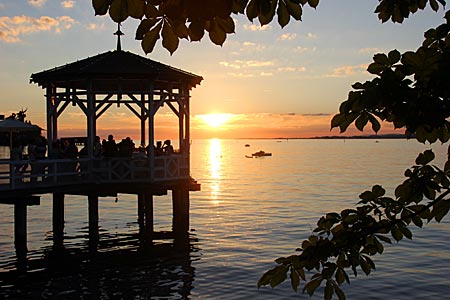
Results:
x,y
261,153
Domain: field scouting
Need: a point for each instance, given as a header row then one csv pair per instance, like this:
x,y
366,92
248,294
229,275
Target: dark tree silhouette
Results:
x,y
409,89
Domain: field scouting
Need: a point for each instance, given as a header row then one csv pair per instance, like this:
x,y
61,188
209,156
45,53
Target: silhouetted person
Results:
x,y
110,147
168,148
97,147
159,149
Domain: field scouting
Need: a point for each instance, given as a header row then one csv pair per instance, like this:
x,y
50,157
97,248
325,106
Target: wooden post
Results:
x,y
58,219
145,211
143,118
180,202
141,215
148,211
93,222
145,218
20,231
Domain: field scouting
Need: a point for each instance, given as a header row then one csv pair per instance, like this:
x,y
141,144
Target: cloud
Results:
x,y
238,64
13,28
370,50
37,3
68,3
266,74
249,47
348,71
95,27
300,49
254,27
240,75
286,69
288,37
311,36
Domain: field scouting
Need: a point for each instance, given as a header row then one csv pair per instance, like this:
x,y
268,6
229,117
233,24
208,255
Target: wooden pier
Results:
x,y
93,85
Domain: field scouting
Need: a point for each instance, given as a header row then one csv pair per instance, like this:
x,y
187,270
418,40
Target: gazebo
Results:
x,y
118,77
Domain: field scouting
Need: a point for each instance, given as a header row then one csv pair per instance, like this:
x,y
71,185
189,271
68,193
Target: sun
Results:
x,y
216,120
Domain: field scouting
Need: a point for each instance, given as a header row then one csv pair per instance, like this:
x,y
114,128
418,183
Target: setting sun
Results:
x,y
216,120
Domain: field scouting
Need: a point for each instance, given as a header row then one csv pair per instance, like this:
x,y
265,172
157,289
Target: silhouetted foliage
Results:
x,y
192,19
410,90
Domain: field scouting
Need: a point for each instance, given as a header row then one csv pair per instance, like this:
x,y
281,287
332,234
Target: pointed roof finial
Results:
x,y
118,33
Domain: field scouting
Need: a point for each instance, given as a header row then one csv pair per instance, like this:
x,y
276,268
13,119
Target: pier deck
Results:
x,y
79,176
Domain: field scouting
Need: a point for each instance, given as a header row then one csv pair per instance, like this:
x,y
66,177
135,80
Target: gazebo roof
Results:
x,y
114,65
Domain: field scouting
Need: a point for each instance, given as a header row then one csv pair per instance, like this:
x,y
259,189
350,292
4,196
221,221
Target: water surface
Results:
x,y
249,212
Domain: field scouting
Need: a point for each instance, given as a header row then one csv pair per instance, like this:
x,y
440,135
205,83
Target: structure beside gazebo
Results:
x,y
93,85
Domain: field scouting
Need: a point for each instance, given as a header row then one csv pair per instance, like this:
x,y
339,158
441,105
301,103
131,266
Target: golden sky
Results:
x,y
270,82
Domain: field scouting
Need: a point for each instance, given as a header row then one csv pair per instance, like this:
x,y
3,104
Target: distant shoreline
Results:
x,y
5,142
332,137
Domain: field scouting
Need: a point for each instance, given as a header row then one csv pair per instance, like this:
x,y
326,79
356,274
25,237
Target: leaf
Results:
x,y
295,279
346,121
283,14
265,278
384,239
267,11
425,157
100,7
336,120
144,27
378,190
339,293
227,24
361,121
136,8
196,30
252,10
417,221
295,10
441,209
151,11
406,232
312,285
394,57
434,5
170,39
381,59
150,38
313,3
329,290
376,68
376,126
340,275
118,11
280,275
216,34
364,266
396,233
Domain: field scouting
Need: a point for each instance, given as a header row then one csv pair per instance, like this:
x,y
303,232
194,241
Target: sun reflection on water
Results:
x,y
215,167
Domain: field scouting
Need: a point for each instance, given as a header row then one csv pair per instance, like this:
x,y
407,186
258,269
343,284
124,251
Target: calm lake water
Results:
x,y
248,213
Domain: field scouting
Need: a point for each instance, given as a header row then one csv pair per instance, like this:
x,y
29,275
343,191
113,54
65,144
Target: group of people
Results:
x,y
164,149
110,148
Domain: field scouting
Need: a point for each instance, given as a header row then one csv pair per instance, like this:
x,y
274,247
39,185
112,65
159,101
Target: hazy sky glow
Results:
x,y
270,82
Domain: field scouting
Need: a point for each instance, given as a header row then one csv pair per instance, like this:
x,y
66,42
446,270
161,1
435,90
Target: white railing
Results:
x,y
24,174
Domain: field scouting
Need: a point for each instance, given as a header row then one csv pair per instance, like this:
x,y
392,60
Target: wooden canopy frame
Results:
x,y
118,77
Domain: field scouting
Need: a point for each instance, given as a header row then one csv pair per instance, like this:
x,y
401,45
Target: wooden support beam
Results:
x,y
94,236
180,203
20,231
58,220
148,201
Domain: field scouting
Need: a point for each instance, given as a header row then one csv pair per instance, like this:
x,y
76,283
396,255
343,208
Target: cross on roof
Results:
x,y
118,33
